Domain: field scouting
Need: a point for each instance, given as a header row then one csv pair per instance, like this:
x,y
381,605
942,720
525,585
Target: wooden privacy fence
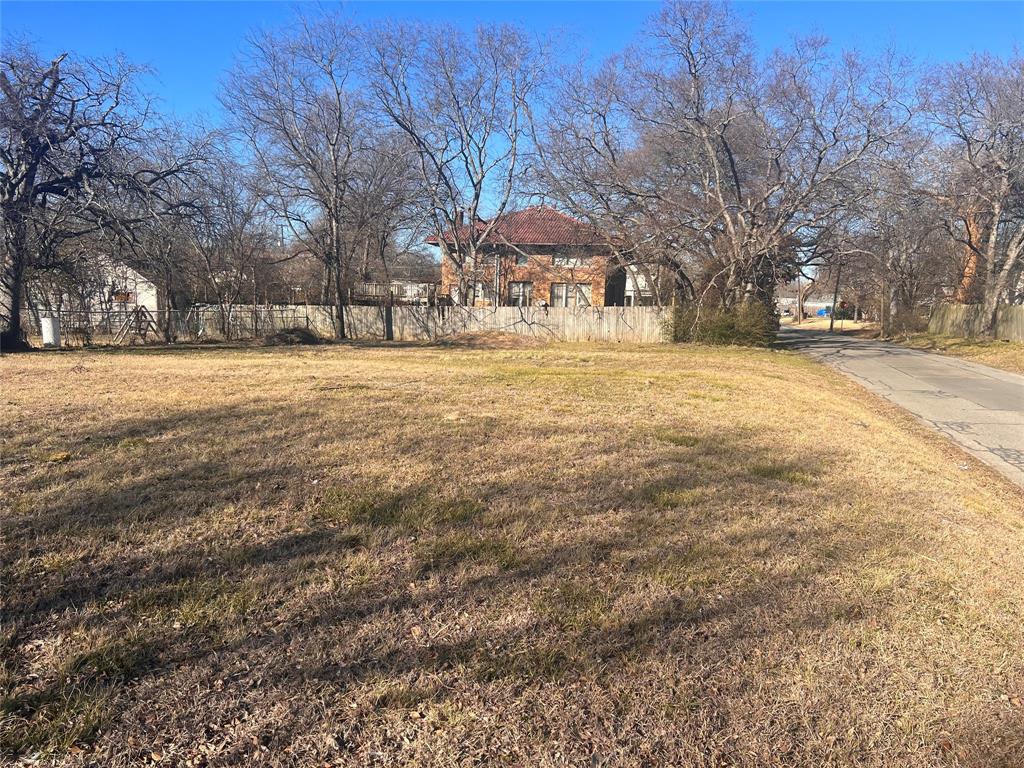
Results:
x,y
969,320
424,323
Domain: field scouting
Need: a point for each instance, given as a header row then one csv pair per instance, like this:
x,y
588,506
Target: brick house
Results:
x,y
543,257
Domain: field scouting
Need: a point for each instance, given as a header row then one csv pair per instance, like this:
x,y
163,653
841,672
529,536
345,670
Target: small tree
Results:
x,y
230,235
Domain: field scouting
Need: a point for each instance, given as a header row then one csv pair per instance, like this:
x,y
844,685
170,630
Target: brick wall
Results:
x,y
540,270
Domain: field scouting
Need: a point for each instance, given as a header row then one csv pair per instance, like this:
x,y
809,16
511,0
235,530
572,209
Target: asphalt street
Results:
x,y
978,407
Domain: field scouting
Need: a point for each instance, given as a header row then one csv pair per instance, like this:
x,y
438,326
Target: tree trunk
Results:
x,y
339,303
12,339
364,273
881,313
999,282
168,316
963,289
255,311
993,293
325,287
225,326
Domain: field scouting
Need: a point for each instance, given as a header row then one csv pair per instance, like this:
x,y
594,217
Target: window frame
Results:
x,y
564,288
572,293
562,261
584,291
525,297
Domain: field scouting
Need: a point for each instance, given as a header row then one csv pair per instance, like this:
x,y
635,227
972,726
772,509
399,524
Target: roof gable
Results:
x,y
536,225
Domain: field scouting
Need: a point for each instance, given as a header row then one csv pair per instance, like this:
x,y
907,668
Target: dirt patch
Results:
x,y
492,340
290,337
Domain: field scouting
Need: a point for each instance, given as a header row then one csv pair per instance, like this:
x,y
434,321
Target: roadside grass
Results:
x,y
1008,355
822,324
508,555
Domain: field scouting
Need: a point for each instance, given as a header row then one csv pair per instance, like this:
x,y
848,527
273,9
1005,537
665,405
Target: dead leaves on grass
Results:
x,y
602,552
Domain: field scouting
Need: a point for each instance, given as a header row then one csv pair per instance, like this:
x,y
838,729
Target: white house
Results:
x,y
126,288
107,290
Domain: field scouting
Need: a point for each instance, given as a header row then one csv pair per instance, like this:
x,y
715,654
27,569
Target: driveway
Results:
x,y
980,408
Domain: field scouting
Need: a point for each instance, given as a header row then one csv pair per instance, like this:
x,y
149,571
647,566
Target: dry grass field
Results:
x,y
469,555
1008,355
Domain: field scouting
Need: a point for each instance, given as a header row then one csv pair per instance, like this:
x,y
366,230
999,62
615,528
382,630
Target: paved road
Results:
x,y
980,408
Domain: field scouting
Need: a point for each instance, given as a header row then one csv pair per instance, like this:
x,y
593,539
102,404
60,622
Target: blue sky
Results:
x,y
191,44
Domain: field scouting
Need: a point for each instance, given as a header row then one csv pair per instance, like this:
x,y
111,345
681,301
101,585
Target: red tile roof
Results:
x,y
537,225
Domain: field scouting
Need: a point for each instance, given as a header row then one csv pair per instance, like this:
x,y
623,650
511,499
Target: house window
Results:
x,y
583,295
519,294
559,294
639,287
483,294
570,295
522,259
570,261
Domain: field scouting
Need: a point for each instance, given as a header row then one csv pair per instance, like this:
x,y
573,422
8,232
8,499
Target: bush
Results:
x,y
750,324
908,322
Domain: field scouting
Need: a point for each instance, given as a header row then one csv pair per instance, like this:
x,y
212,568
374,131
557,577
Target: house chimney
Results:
x,y
460,217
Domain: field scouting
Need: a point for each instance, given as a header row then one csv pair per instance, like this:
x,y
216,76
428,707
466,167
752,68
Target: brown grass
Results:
x,y
822,324
1008,355
568,555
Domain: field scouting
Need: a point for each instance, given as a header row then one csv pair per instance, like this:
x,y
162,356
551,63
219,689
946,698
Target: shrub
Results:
x,y
908,322
752,324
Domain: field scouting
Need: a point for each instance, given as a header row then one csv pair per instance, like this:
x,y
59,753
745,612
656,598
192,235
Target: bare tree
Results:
x,y
73,139
727,170
901,239
978,108
292,97
231,235
462,103
593,160
387,207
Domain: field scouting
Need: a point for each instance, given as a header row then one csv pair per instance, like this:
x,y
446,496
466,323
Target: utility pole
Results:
x,y
881,308
799,302
835,298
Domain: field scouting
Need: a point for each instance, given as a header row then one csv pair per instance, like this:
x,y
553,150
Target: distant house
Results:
x,y
127,288
815,298
108,287
394,291
543,258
